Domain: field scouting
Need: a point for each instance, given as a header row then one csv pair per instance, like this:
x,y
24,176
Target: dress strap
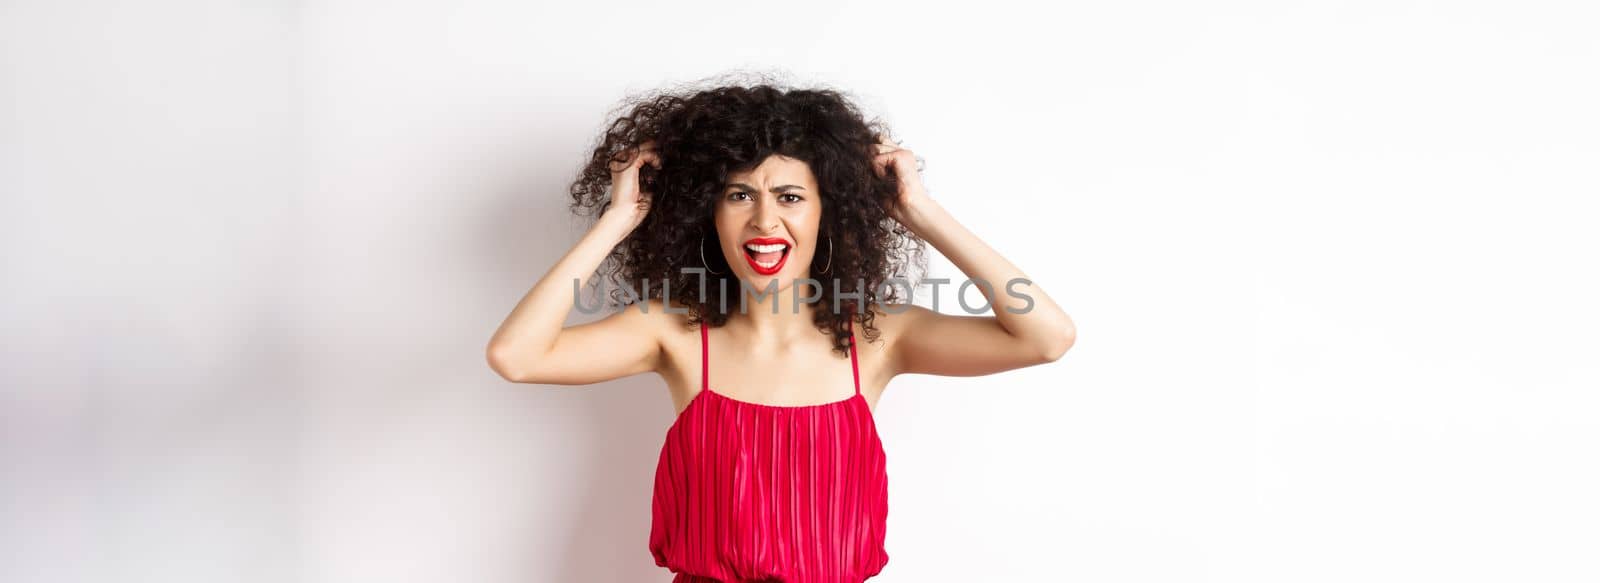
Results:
x,y
854,370
705,366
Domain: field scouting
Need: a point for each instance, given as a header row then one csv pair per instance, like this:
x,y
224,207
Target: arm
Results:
x,y
928,342
531,346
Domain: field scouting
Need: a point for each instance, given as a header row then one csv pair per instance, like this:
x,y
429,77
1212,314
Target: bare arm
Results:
x,y
929,342
531,346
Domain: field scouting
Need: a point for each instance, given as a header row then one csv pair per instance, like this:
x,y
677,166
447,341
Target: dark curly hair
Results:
x,y
704,133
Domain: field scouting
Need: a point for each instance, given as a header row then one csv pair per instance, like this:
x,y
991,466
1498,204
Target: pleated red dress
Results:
x,y
747,492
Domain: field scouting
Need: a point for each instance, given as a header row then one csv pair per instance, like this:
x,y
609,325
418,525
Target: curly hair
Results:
x,y
702,135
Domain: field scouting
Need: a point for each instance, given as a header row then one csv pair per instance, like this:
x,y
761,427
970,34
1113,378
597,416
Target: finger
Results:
x,y
640,157
630,155
880,164
884,143
654,152
624,160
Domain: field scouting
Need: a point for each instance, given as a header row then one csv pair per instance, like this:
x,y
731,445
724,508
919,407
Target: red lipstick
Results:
x,y
773,251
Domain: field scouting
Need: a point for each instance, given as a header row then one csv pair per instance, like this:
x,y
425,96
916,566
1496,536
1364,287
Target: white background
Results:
x,y
1332,264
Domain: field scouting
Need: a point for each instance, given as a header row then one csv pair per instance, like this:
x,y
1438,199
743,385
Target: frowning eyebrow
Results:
x,y
779,188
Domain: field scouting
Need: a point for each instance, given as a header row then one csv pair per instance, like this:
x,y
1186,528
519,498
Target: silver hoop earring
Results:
x,y
830,256
703,256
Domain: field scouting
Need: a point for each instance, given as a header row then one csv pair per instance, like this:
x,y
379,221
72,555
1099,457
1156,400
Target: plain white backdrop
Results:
x,y
1332,264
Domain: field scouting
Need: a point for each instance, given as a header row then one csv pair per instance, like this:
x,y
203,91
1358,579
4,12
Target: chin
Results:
x,y
758,282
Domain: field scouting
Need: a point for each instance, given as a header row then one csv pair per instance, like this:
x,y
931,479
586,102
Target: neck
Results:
x,y
776,315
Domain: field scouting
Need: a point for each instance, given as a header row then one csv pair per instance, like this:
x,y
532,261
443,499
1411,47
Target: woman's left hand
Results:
x,y
904,163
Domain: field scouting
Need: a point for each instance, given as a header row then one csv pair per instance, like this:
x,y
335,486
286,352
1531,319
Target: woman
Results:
x,y
800,210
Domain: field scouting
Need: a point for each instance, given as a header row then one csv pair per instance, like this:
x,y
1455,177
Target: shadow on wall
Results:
x,y
621,432
612,431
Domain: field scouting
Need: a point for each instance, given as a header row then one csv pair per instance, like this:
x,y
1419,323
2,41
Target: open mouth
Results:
x,y
766,256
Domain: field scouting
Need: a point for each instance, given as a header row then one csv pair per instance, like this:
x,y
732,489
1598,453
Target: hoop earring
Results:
x,y
703,256
830,256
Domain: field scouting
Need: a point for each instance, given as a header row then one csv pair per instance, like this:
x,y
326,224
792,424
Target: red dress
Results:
x,y
749,492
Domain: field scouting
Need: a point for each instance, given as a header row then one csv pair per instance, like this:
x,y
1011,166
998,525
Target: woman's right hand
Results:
x,y
629,204
533,346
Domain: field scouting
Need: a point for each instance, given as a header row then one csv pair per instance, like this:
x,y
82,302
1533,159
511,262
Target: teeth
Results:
x,y
766,248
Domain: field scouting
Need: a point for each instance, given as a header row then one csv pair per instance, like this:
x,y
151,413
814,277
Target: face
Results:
x,y
767,219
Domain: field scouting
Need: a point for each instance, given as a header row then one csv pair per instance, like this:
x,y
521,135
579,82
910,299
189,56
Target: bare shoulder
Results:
x,y
892,320
879,355
652,317
669,324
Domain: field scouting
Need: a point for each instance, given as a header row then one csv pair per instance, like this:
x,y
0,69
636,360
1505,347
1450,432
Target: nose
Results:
x,y
766,216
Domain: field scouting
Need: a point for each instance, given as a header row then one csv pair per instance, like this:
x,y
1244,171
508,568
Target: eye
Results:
x,y
737,193
796,197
